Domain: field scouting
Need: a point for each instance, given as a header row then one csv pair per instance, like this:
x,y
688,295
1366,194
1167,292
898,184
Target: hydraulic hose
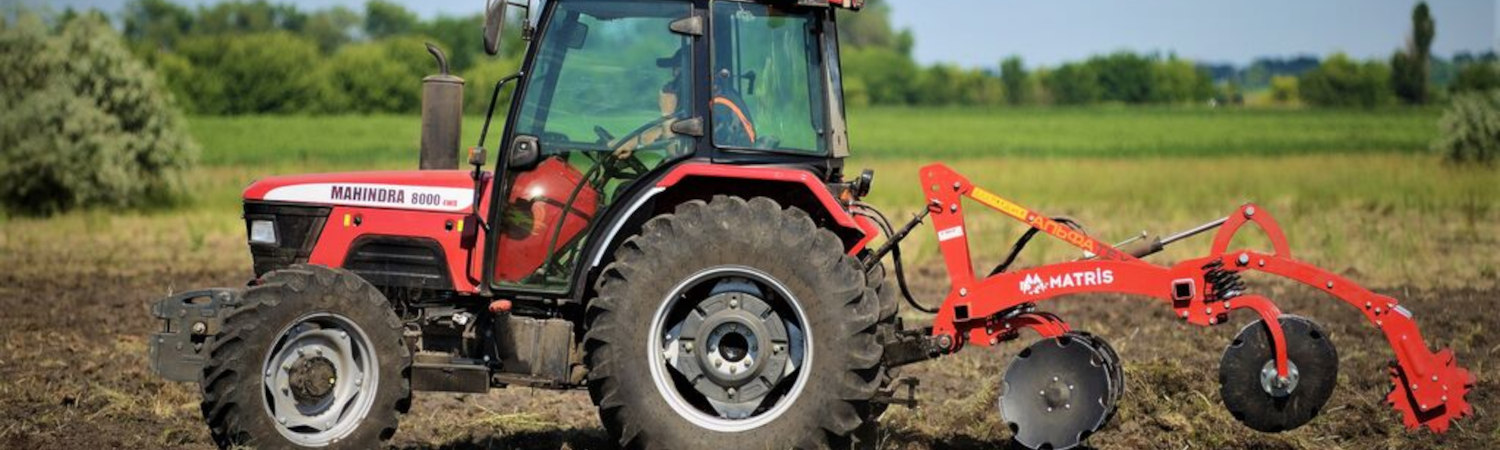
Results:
x,y
895,250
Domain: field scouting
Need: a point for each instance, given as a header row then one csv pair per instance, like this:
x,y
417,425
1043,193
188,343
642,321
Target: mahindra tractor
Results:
x,y
670,225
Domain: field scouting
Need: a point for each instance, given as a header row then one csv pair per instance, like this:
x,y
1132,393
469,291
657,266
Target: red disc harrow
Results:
x,y
1429,386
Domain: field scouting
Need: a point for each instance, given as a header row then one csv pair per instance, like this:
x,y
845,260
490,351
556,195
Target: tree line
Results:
x,y
257,57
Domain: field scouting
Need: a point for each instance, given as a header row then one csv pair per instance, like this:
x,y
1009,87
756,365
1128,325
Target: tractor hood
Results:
x,y
426,190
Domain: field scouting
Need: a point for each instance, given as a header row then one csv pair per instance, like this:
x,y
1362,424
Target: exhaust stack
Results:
x,y
442,116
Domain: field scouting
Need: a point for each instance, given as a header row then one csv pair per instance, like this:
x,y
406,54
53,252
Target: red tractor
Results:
x,y
671,226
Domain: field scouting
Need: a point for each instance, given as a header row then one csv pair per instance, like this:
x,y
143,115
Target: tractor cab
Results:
x,y
614,92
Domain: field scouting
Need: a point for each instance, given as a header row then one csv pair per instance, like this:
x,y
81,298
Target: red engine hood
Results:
x,y
425,190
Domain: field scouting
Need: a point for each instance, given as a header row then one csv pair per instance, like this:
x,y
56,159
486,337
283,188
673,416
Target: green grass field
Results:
x,y
902,133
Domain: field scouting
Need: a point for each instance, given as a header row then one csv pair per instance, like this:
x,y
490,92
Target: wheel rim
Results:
x,y
315,379
728,349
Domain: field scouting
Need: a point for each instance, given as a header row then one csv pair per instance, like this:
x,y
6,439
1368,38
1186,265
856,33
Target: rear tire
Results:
x,y
349,335
790,264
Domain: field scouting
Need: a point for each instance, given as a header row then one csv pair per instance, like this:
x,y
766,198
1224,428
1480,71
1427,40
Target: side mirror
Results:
x,y
524,153
494,23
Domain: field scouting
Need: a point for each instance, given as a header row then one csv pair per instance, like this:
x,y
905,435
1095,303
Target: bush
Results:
x,y
87,124
1284,89
1470,129
1342,82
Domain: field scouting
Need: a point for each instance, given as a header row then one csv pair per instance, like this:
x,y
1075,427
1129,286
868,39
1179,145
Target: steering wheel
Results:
x,y
624,148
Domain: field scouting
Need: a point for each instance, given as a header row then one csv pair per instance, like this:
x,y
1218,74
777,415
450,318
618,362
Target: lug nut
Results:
x,y
734,303
732,392
1244,259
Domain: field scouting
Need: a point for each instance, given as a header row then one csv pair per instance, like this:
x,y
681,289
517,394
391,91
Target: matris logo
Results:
x,y
1034,285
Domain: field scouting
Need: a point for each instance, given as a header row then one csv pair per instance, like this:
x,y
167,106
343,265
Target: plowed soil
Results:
x,y
73,374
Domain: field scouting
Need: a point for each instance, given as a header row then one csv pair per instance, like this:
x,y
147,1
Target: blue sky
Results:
x,y
979,33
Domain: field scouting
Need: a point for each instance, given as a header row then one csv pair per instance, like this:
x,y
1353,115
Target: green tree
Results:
x,y
1074,84
1342,82
86,124
252,74
383,19
158,23
890,78
1477,76
1179,81
459,35
870,27
1123,77
1013,75
1411,69
234,17
380,76
330,28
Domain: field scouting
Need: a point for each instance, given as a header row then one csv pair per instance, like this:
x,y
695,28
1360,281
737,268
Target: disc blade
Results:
x,y
1247,362
1056,393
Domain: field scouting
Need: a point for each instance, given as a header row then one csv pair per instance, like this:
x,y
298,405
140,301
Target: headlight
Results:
x,y
262,232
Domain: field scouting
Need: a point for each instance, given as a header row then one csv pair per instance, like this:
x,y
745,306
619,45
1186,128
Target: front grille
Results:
x,y
399,261
297,230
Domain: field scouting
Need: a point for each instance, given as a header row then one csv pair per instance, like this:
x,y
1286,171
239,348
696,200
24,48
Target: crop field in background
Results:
x,y
1357,192
906,133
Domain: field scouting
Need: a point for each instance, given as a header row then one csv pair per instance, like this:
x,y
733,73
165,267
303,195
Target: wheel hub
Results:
x,y
741,357
1275,385
312,379
316,379
730,348
1057,394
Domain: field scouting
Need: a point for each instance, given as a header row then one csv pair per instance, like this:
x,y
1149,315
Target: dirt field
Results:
x,y
73,368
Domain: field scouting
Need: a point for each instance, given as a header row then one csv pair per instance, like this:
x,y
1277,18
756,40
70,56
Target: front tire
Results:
x,y
733,324
312,357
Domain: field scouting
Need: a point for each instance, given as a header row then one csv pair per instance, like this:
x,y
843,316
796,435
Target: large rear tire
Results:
x,y
312,357
798,371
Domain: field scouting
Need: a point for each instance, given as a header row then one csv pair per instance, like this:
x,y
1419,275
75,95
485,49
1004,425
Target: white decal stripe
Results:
x,y
422,198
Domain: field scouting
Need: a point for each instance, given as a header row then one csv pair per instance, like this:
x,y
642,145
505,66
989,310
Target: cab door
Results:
x,y
605,102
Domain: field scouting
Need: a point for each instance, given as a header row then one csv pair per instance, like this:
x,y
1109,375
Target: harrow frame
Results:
x,y
1429,386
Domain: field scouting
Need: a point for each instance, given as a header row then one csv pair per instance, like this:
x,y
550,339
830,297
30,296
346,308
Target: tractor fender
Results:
x,y
788,186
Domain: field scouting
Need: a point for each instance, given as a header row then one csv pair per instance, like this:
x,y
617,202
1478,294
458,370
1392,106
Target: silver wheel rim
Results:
x,y
662,348
305,410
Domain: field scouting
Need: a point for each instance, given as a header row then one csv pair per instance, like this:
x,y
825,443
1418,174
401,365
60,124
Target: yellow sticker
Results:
x,y
460,226
346,220
994,201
